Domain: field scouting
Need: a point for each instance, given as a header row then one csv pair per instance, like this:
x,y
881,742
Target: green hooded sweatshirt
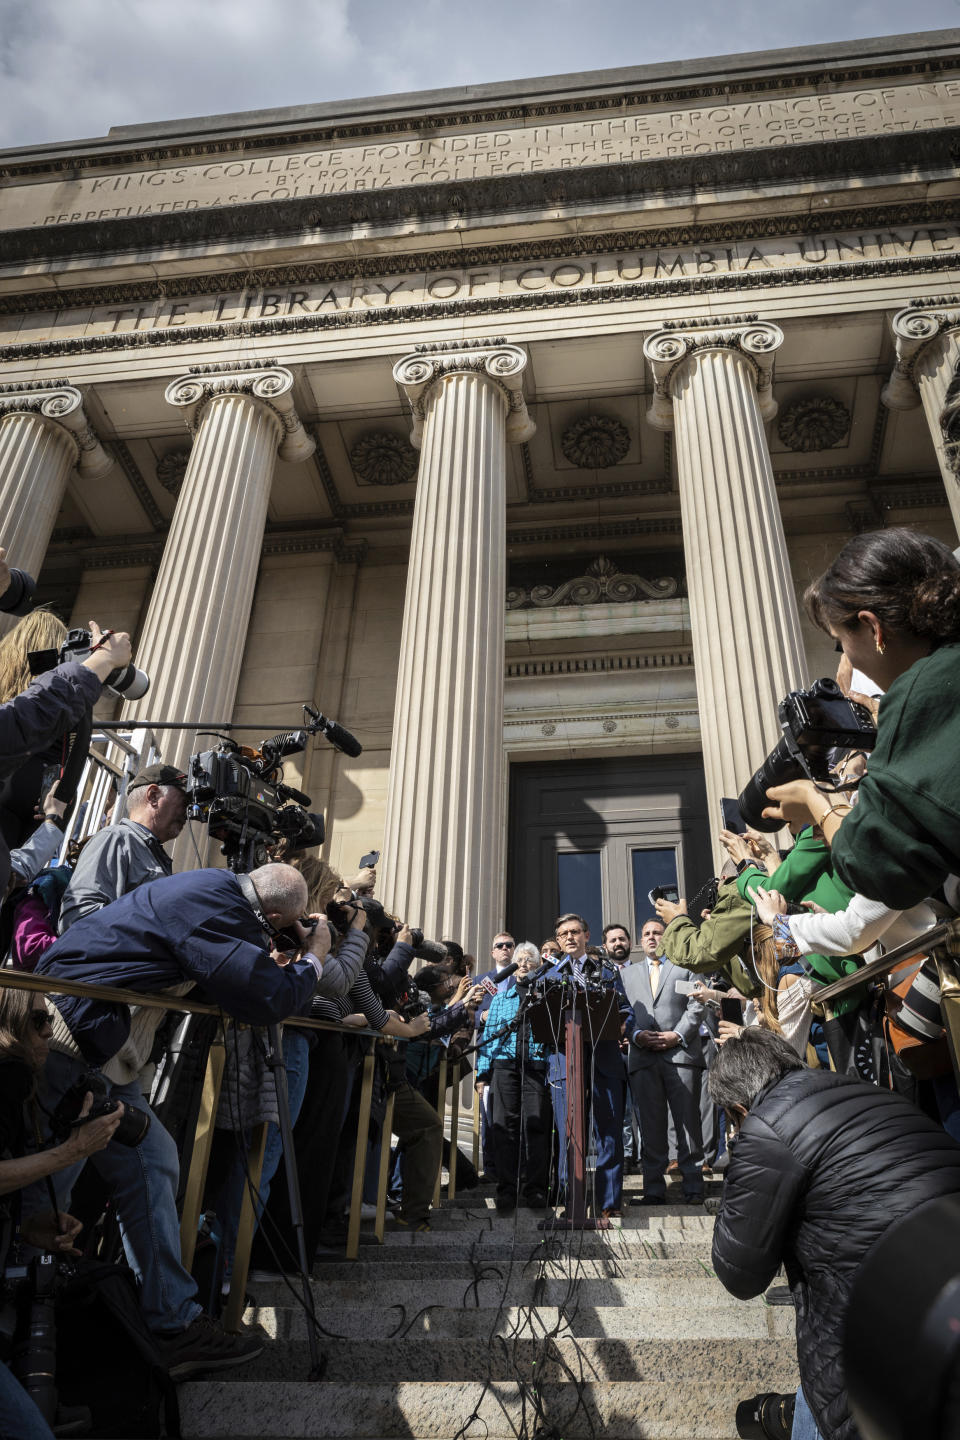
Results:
x,y
902,838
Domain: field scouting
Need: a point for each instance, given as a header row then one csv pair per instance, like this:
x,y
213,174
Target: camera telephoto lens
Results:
x,y
766,1417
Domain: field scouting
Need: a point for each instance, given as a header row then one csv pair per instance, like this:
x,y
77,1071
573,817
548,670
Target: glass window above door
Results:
x,y
580,889
650,868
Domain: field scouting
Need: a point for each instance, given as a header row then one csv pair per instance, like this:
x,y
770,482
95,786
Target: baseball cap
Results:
x,y
159,775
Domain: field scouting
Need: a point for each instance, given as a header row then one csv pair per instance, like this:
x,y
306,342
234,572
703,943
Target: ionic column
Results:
x,y
44,433
713,387
196,625
443,858
927,369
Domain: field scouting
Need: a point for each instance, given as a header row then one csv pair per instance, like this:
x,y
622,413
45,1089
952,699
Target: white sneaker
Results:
x,y
368,1212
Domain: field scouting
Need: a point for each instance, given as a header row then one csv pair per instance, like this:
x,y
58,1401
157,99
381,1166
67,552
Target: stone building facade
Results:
x,y
505,425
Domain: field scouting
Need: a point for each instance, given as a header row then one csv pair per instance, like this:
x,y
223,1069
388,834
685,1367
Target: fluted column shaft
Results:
x,y
747,643
43,434
443,850
928,362
196,625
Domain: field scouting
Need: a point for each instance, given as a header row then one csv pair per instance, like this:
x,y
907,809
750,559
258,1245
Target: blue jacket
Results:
x,y
195,926
502,1012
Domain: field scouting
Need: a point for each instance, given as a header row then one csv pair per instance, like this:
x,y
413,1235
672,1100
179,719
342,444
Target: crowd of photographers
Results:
x,y
840,1122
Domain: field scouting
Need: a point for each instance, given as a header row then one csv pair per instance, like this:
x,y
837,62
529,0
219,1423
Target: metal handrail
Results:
x,y
946,931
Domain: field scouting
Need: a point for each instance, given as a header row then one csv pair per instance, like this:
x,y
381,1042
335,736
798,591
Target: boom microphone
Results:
x,y
339,738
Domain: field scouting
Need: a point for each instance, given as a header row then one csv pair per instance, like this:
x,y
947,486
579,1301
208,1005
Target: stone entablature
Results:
x,y
214,182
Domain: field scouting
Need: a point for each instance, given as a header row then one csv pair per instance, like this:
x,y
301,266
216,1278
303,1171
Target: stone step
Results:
x,y
619,1410
637,1265
736,1322
527,1222
757,1362
653,1288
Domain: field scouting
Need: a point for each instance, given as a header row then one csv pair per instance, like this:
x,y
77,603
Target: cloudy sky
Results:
x,y
73,68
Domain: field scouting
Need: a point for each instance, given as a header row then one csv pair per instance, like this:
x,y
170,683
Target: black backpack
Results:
x,y
107,1359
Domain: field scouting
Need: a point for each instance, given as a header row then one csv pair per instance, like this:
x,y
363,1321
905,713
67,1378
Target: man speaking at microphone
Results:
x,y
603,1061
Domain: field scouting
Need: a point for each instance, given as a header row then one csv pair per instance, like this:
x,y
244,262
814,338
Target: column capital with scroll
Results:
x,y
264,382
59,405
423,372
668,351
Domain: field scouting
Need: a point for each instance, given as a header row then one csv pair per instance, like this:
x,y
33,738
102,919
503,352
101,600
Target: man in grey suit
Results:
x,y
665,1068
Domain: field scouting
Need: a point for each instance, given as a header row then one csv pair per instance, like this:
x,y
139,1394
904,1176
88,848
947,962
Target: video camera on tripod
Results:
x,y
236,790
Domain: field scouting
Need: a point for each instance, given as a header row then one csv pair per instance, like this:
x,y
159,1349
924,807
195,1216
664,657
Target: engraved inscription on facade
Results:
x,y
542,278
787,120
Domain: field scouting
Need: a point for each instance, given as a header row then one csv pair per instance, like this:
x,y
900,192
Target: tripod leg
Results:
x,y
293,1188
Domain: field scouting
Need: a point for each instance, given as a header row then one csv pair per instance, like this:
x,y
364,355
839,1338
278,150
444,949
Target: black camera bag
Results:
x,y
108,1360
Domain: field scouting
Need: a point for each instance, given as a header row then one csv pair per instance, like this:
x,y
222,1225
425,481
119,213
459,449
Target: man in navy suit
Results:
x,y
604,1061
666,1064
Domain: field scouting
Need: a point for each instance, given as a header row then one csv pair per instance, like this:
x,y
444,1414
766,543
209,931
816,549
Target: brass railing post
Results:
x,y
360,1159
454,1128
476,1128
202,1145
233,1312
383,1179
441,1108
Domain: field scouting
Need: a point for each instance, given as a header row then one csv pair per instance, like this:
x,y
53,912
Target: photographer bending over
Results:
x,y
200,927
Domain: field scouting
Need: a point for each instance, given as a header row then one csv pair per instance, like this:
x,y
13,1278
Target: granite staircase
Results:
x,y
622,1334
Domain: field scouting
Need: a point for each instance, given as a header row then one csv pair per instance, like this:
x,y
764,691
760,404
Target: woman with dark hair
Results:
x,y
891,599
24,1043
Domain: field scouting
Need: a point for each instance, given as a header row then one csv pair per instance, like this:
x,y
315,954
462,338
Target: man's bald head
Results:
x,y
282,891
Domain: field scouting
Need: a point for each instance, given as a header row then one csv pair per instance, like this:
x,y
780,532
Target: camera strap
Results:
x,y
253,900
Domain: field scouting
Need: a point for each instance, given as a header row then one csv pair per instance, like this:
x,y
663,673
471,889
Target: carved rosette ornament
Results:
x,y
62,405
422,372
670,349
596,442
602,584
265,382
817,422
171,469
380,458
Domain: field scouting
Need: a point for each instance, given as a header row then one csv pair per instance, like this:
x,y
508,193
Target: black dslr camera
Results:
x,y
132,1128
814,722
766,1417
129,683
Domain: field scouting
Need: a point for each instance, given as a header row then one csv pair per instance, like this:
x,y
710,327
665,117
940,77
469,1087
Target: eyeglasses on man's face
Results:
x,y
505,945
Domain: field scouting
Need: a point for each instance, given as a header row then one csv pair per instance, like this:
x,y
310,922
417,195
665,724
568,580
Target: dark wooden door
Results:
x,y
594,836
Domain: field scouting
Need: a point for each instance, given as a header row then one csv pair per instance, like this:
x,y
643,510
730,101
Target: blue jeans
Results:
x,y
296,1058
19,1417
143,1179
804,1425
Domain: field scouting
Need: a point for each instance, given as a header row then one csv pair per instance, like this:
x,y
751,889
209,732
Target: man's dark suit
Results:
x,y
605,1061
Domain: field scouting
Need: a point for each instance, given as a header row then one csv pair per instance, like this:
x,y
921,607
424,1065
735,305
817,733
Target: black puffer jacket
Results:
x,y
823,1165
